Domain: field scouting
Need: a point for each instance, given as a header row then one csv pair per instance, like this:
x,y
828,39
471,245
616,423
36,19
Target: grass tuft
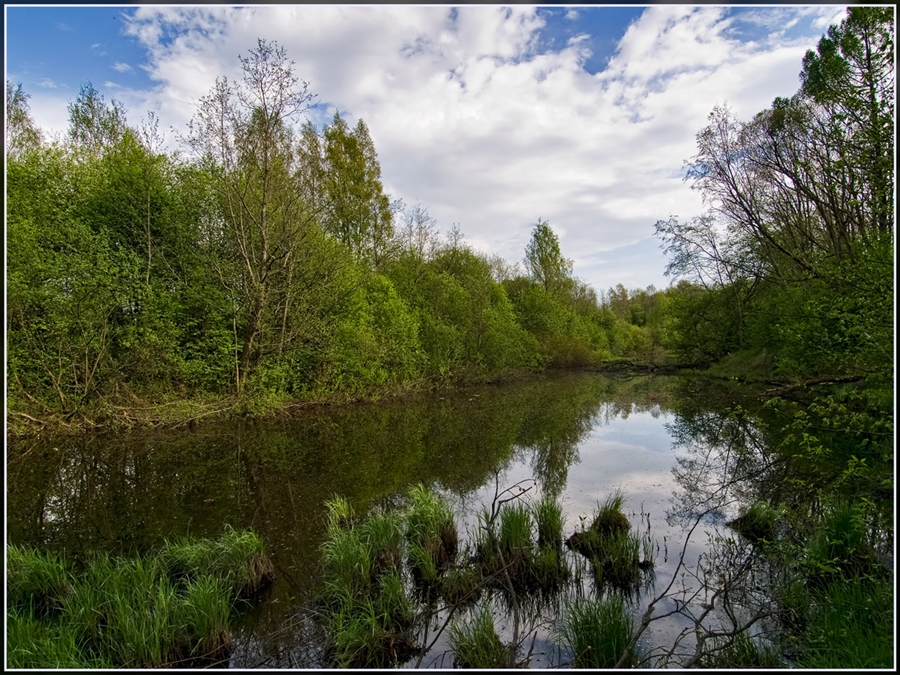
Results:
x,y
597,632
475,643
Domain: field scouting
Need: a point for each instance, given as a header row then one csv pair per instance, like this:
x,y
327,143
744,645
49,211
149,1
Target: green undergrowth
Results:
x,y
171,608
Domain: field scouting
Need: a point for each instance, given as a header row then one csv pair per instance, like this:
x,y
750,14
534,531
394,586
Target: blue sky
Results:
x,y
491,117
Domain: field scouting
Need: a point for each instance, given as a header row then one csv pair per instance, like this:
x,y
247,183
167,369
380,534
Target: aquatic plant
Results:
x,y
614,551
237,557
597,632
756,522
548,515
144,612
475,643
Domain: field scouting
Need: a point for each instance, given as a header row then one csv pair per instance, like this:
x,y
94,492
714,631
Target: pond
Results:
x,y
667,443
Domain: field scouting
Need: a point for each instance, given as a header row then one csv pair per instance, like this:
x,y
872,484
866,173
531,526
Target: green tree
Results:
x,y
21,132
94,125
544,262
358,211
282,277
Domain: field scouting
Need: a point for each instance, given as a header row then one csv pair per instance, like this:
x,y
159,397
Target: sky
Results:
x,y
491,117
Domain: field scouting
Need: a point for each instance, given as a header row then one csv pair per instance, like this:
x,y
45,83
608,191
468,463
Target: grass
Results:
x,y
614,551
430,525
756,523
597,632
850,626
741,652
548,515
515,534
475,643
609,518
144,612
237,557
36,580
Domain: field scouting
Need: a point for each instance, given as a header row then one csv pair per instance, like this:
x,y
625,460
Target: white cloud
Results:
x,y
121,67
48,83
468,118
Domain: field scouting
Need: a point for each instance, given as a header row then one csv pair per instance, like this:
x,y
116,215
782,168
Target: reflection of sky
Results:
x,y
634,454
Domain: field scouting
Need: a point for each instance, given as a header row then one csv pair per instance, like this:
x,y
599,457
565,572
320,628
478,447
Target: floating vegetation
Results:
x,y
167,609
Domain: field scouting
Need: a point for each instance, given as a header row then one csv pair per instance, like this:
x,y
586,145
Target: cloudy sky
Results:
x,y
490,116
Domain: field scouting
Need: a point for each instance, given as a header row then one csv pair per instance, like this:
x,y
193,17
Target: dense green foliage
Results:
x,y
265,261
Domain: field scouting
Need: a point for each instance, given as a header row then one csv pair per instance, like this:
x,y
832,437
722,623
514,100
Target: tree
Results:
x,y
358,210
273,262
852,74
544,261
21,132
95,126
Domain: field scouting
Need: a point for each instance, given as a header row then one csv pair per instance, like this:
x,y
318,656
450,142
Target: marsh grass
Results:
x,y
548,515
597,632
475,643
462,585
614,551
36,643
840,545
850,625
144,612
431,526
741,651
757,523
516,540
36,580
364,605
237,557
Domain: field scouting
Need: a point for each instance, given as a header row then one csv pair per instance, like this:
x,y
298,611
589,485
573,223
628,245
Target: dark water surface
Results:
x,y
579,436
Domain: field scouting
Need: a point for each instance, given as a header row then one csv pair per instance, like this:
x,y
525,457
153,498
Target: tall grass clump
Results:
x,y
597,632
614,551
145,612
840,545
850,626
515,535
475,643
237,557
741,651
365,609
36,581
431,527
548,514
756,523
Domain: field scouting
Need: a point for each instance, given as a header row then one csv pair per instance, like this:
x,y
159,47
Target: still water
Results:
x,y
579,436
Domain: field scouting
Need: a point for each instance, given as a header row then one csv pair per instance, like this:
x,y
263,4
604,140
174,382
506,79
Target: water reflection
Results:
x,y
576,436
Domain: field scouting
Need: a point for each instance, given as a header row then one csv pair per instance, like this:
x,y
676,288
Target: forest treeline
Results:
x,y
264,261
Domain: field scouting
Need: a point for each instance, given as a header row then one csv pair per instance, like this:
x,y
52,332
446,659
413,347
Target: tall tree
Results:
x,y
359,213
21,131
544,261
276,266
94,125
